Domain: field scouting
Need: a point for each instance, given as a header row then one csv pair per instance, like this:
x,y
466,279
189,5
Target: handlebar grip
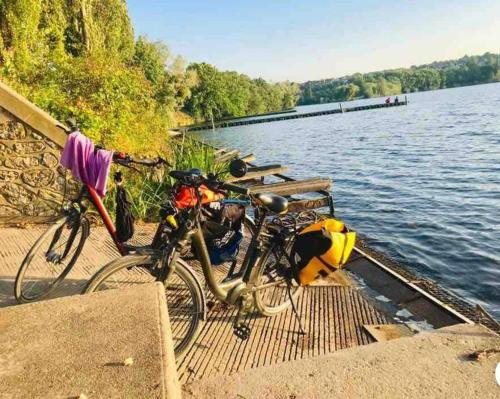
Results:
x,y
236,189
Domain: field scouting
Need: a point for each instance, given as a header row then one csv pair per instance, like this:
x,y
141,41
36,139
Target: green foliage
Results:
x,y
151,57
79,59
114,104
33,29
462,72
226,94
170,82
189,153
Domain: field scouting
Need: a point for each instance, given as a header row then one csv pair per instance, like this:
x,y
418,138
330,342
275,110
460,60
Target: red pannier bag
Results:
x,y
186,196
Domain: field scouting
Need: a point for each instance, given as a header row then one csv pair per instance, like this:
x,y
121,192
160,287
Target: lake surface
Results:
x,y
422,182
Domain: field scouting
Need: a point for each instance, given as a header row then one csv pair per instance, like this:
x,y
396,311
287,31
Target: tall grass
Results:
x,y
190,153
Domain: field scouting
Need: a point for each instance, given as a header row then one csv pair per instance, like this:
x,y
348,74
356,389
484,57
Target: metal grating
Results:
x,y
332,317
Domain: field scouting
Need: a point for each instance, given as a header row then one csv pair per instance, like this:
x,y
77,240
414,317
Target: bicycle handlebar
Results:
x,y
196,179
235,189
125,160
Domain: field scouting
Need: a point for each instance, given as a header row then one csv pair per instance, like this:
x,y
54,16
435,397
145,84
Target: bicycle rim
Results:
x,y
50,259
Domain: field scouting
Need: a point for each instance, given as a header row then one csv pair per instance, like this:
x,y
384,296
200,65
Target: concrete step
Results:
x,y
77,346
453,362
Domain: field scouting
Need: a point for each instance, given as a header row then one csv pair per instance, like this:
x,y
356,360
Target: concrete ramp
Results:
x,y
453,362
78,347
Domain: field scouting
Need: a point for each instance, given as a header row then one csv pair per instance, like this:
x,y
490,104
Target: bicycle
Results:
x,y
58,249
267,264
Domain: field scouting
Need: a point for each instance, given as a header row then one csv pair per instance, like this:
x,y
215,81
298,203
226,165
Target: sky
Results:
x,y
312,39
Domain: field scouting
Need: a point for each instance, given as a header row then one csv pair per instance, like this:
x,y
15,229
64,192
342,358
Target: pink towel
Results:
x,y
87,166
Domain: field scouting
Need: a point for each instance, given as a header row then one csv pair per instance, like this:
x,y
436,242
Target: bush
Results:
x,y
112,103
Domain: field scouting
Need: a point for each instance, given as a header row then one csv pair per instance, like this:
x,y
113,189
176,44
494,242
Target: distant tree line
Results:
x,y
438,75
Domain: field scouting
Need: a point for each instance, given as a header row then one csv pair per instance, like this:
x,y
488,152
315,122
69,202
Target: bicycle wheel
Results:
x,y
274,268
186,304
51,258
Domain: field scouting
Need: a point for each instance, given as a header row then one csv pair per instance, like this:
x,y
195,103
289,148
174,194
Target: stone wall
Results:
x,y
32,182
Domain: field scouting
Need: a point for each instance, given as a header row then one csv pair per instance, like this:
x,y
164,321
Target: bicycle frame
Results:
x,y
88,192
229,291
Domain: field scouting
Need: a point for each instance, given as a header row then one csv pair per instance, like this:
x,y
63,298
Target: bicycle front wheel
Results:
x,y
186,304
51,258
273,282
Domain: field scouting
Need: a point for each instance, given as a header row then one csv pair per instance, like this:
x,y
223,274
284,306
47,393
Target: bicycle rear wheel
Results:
x,y
274,271
186,304
51,258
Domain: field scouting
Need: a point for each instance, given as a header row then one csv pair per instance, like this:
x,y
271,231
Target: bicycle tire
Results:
x,y
122,266
20,290
280,300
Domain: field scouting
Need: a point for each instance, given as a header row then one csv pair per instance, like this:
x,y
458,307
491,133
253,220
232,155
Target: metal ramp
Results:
x,y
332,316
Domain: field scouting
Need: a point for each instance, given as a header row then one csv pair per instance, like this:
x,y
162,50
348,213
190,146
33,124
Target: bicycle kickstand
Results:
x,y
295,311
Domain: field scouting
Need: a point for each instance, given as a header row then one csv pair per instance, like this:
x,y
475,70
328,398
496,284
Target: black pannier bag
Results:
x,y
124,218
307,246
222,229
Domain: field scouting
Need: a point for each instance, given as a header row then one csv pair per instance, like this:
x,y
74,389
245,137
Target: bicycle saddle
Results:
x,y
274,203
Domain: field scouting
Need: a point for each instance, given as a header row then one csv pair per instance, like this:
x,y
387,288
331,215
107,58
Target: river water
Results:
x,y
421,182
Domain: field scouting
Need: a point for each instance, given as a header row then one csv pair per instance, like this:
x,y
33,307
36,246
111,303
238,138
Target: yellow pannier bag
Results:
x,y
321,249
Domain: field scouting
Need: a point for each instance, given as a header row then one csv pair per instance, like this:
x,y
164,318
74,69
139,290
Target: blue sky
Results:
x,y
313,39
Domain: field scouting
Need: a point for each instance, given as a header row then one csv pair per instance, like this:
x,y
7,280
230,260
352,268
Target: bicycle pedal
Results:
x,y
53,257
242,331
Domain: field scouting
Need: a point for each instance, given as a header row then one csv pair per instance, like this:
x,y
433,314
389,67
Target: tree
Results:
x,y
437,75
152,58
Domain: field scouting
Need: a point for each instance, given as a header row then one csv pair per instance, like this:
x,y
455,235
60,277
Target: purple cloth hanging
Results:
x,y
88,166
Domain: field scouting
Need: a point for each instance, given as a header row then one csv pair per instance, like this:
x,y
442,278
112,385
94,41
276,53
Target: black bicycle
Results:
x,y
264,282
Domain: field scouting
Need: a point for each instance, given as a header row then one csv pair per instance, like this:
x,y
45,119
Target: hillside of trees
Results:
x,y
80,58
438,75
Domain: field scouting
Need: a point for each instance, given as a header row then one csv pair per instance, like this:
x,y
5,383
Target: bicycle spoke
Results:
x,y
271,289
43,270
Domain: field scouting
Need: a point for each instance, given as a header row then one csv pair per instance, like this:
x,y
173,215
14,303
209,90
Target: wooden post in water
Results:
x,y
212,119
341,109
406,100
